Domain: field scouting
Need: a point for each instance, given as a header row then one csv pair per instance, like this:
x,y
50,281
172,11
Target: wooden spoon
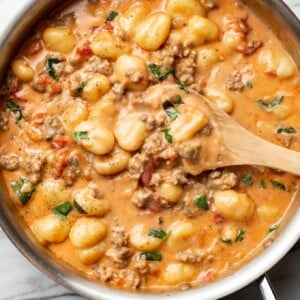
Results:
x,y
236,145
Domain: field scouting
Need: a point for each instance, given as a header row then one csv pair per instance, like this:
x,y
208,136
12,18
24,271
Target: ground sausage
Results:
x,y
189,256
10,162
4,120
33,164
142,198
222,180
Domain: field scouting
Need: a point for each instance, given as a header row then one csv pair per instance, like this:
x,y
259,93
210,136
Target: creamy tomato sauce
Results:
x,y
98,151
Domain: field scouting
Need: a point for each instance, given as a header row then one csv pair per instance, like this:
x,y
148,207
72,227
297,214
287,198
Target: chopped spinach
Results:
x,y
249,85
278,185
111,16
50,62
247,179
273,228
181,85
23,189
15,108
153,256
79,89
201,202
262,184
62,210
240,236
178,100
158,233
158,73
78,207
170,109
270,106
288,130
226,241
168,136
80,135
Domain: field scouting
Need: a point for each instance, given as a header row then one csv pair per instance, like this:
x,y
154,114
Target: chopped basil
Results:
x,y
288,130
111,15
157,72
62,210
178,100
270,106
168,136
226,241
50,62
79,89
23,189
153,256
158,233
201,202
278,185
273,228
80,135
262,184
170,109
249,85
181,85
78,207
240,236
15,108
247,179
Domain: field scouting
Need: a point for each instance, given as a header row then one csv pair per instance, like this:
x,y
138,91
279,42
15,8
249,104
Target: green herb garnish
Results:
x,y
270,106
226,241
78,207
79,89
247,179
168,136
262,184
160,220
201,202
23,189
62,210
158,233
273,228
278,185
170,109
288,130
80,135
249,85
111,15
15,108
158,73
153,256
181,85
50,62
240,236
178,100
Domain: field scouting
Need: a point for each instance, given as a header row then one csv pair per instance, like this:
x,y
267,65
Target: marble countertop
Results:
x,y
19,280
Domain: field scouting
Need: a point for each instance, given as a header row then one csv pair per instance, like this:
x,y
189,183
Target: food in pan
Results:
x,y
98,153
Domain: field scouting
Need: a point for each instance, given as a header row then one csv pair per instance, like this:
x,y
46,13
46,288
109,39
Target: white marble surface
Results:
x,y
19,280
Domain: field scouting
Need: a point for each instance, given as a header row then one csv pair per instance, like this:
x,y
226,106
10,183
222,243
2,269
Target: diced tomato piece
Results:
x,y
147,174
61,141
155,205
84,49
218,218
107,26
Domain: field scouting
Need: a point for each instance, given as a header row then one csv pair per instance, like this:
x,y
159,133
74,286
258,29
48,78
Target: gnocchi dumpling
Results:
x,y
178,273
106,45
233,205
92,254
181,235
170,192
139,238
132,71
94,138
51,229
74,115
95,88
53,192
153,31
112,163
219,97
130,133
87,232
187,124
185,8
22,70
91,205
59,39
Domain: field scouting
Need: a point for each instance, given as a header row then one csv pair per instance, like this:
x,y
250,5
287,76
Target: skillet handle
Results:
x,y
266,289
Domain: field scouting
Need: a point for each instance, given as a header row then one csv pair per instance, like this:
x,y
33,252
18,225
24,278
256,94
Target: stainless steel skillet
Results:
x,y
287,27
